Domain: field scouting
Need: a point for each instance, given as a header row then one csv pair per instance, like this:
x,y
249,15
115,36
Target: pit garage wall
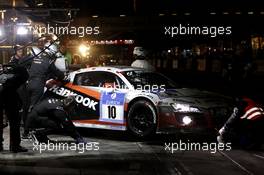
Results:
x,y
4,56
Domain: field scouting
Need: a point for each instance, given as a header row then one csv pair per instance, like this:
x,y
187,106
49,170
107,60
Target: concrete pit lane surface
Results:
x,y
116,153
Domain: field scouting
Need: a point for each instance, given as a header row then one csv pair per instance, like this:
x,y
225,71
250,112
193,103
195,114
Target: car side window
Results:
x,y
99,79
86,79
111,80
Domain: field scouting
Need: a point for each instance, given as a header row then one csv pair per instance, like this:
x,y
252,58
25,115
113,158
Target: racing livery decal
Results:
x,y
88,103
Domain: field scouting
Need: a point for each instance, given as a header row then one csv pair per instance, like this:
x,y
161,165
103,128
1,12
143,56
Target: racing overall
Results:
x,y
23,89
42,67
9,101
247,119
51,115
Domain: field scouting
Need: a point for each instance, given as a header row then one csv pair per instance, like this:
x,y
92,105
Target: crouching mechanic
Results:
x,y
245,126
53,115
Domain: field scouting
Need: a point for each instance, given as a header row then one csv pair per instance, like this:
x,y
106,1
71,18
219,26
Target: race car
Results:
x,y
140,101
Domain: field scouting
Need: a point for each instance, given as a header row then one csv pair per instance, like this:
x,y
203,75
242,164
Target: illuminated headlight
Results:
x,y
186,120
184,108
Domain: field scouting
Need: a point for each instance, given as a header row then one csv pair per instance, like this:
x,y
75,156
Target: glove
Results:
x,y
222,130
5,77
50,83
66,78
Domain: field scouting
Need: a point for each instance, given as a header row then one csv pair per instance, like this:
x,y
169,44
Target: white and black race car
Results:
x,y
140,101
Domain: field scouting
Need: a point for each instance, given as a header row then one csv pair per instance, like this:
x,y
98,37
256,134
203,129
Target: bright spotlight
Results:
x,y
2,32
83,49
21,30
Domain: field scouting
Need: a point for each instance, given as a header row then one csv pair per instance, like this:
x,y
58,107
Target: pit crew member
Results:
x,y
245,124
53,115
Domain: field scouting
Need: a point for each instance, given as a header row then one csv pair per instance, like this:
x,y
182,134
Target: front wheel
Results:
x,y
142,119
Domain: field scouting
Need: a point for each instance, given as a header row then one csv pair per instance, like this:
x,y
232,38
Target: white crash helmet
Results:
x,y
139,52
51,48
61,63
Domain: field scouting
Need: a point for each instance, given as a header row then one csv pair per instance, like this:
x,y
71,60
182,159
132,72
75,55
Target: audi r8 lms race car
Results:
x,y
140,101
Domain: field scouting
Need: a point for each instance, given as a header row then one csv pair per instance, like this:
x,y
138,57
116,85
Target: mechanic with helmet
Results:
x,y
43,68
18,54
246,124
24,61
140,55
53,115
12,76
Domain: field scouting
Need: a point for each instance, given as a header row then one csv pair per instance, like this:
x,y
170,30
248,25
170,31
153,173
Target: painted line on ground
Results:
x,y
236,163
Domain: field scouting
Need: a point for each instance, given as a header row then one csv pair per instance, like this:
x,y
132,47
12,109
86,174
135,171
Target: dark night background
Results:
x,y
200,60
227,64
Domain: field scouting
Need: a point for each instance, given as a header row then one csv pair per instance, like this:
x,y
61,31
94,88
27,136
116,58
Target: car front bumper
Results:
x,y
171,122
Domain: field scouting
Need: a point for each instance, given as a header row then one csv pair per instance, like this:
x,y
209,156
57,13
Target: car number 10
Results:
x,y
112,107
111,112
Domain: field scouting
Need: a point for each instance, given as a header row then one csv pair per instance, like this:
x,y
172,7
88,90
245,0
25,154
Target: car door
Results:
x,y
109,91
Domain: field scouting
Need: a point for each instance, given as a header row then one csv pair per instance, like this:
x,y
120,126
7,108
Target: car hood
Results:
x,y
196,98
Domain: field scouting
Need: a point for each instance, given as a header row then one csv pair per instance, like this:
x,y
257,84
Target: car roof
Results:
x,y
109,69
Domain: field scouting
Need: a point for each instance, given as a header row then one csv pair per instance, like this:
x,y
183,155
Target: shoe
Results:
x,y
17,149
33,137
39,138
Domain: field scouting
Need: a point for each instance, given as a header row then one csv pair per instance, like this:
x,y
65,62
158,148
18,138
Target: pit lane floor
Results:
x,y
119,155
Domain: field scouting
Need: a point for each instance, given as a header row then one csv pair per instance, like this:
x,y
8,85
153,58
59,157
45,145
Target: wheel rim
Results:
x,y
142,121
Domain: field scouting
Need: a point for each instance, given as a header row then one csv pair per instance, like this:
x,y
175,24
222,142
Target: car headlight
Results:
x,y
186,120
184,108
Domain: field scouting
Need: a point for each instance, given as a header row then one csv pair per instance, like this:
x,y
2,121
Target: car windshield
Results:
x,y
146,78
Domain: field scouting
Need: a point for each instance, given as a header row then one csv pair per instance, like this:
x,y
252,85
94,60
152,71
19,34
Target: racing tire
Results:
x,y
142,119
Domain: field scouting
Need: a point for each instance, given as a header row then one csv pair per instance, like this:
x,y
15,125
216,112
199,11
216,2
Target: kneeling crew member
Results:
x,y
53,115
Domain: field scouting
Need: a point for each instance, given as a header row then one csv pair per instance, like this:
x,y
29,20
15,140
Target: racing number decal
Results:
x,y
111,112
112,107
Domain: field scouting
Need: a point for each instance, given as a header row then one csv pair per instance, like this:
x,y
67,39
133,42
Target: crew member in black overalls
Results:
x,y
11,78
42,69
25,61
53,115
